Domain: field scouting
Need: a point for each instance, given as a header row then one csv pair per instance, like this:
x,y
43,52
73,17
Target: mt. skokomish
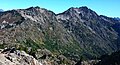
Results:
x,y
68,36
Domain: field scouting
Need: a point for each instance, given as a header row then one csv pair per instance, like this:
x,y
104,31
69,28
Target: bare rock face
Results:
x,y
17,58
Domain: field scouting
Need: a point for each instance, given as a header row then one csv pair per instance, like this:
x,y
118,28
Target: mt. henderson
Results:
x,y
75,33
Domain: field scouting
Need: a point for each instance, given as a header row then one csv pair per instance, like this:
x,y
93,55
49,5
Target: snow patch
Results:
x,y
3,26
4,21
77,10
69,31
39,29
50,28
62,17
104,19
91,29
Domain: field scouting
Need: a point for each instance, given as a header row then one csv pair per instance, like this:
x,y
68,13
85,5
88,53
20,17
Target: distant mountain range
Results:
x,y
75,33
1,10
117,18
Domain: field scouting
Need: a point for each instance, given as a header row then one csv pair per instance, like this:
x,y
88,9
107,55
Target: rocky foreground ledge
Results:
x,y
16,57
11,56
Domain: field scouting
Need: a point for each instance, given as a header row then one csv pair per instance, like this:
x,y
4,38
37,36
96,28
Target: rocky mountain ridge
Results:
x,y
74,33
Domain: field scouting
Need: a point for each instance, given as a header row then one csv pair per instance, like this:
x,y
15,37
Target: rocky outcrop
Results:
x,y
16,57
11,56
46,57
90,62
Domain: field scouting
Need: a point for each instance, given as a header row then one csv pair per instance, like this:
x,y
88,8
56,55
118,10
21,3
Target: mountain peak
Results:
x,y
79,12
83,7
37,7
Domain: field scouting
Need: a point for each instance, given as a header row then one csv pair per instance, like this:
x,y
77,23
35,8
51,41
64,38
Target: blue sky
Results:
x,y
109,8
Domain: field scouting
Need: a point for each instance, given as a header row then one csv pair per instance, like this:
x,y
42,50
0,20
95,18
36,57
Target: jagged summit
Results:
x,y
81,12
78,10
37,7
83,8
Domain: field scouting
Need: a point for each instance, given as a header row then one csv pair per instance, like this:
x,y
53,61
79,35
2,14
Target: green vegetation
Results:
x,y
29,46
2,46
